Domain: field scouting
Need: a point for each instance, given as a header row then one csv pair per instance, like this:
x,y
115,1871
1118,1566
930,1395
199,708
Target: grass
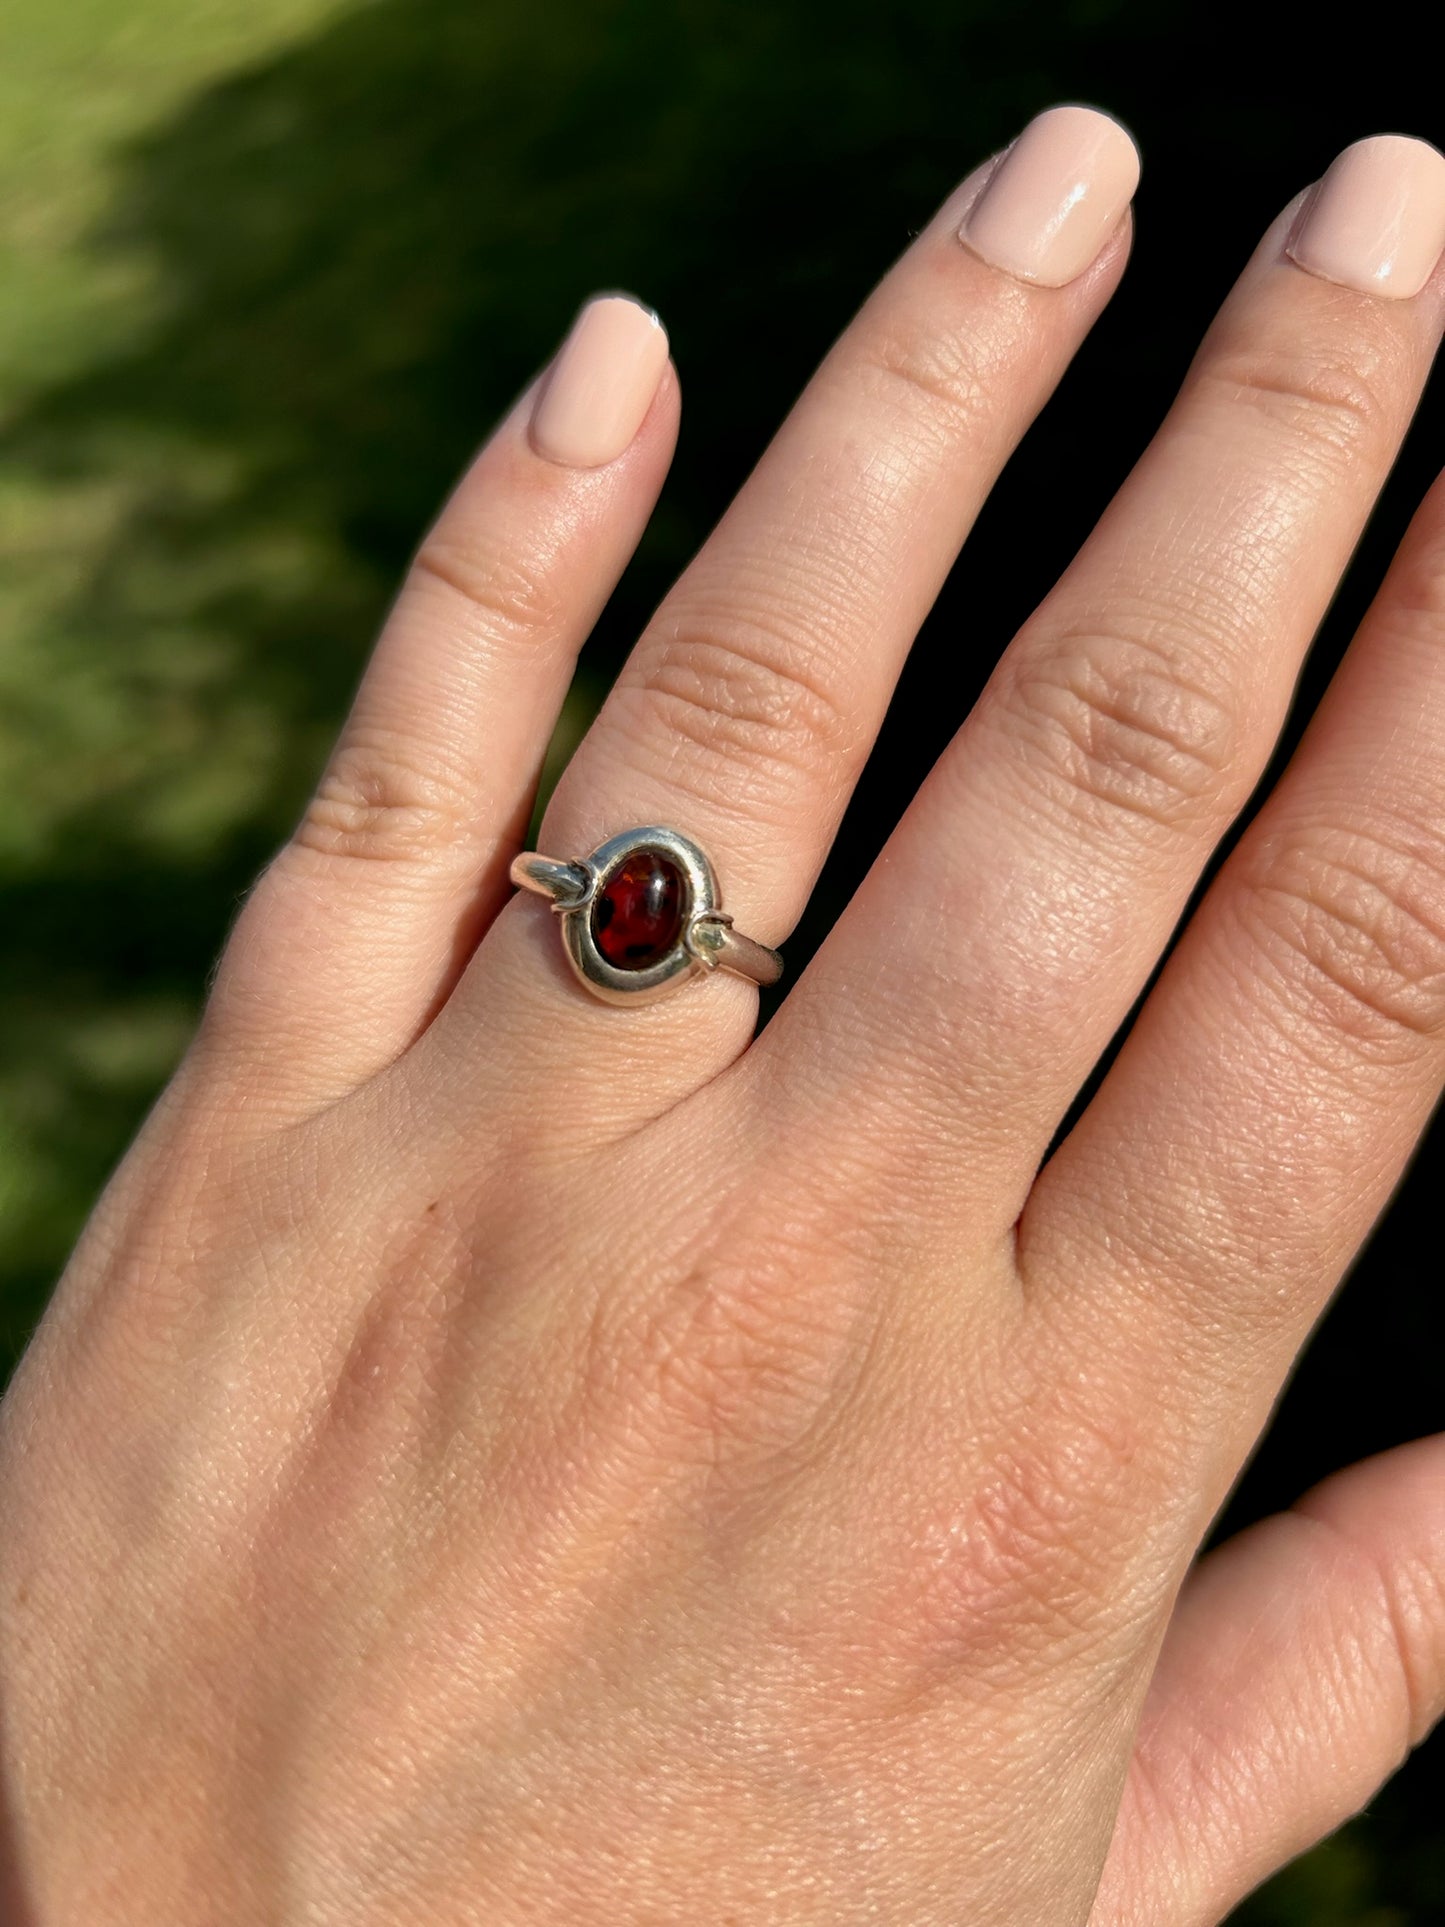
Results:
x,y
81,83
78,80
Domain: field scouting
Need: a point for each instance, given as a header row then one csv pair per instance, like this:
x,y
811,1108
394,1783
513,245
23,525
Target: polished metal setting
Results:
x,y
706,939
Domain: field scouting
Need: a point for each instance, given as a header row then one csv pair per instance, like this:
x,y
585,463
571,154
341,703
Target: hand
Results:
x,y
497,1457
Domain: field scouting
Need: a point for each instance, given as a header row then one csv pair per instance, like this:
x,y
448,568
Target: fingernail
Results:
x,y
1056,196
602,383
1376,221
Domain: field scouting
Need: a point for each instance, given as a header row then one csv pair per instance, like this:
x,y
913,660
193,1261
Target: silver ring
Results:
x,y
641,915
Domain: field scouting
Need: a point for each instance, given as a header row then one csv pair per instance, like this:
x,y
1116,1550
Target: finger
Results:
x,y
750,702
1305,1659
1285,1064
1026,897
357,930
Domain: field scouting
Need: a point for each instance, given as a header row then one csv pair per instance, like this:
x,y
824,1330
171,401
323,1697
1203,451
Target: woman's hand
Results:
x,y
497,1457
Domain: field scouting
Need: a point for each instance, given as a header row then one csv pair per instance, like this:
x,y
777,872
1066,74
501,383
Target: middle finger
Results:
x,y
1025,898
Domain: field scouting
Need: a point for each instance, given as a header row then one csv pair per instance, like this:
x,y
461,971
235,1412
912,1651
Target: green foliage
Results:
x,y
1366,1876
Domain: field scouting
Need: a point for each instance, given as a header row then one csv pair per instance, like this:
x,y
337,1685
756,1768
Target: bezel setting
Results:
x,y
690,951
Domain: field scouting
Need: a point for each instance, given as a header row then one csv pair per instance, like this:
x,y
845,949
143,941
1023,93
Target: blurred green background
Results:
x,y
270,268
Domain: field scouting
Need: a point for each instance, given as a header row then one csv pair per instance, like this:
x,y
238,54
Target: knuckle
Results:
x,y
731,1365
1351,921
1399,1645
1117,722
947,381
1414,1591
737,691
377,803
1048,1548
509,596
1329,393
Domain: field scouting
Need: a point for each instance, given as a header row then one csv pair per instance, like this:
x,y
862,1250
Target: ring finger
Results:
x,y
749,704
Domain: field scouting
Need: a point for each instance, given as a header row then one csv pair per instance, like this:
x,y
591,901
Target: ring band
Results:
x,y
641,915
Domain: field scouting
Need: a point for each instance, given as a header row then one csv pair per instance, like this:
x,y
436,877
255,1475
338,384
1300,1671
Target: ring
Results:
x,y
641,915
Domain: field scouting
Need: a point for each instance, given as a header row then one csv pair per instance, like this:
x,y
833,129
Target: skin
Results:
x,y
496,1458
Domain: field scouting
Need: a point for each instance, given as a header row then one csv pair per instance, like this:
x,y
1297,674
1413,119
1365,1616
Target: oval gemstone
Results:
x,y
637,914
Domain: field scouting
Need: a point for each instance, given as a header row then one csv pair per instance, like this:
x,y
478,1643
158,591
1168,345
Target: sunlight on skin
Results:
x,y
199,43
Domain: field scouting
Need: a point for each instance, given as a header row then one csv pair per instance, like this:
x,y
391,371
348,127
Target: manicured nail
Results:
x,y
1055,197
602,383
1376,221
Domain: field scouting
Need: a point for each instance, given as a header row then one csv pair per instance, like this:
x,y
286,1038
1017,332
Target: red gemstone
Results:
x,y
637,914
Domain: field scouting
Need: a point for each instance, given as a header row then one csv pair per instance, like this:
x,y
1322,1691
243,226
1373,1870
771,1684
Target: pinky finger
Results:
x,y
354,935
1306,1658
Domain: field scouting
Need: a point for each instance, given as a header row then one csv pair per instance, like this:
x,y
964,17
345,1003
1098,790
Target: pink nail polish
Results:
x,y
1055,197
1376,222
601,385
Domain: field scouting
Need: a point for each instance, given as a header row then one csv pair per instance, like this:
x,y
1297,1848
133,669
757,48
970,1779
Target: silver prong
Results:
x,y
569,885
705,937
